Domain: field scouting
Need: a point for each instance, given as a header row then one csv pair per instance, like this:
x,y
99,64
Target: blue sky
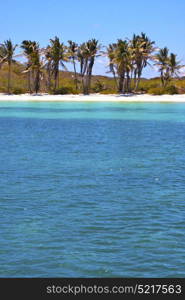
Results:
x,y
162,20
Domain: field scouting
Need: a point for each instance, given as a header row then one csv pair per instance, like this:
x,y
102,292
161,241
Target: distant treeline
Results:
x,y
127,60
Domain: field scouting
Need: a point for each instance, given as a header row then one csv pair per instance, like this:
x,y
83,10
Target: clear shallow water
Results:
x,y
92,189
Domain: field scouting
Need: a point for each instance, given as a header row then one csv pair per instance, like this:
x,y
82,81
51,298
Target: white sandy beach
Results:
x,y
94,97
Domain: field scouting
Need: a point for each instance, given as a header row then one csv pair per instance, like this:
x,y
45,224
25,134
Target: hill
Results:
x,y
100,84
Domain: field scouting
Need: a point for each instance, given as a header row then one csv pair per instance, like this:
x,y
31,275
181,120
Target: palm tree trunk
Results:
x,y
37,81
84,79
89,77
9,76
137,84
55,84
128,83
49,81
115,79
29,82
89,74
135,78
86,85
74,65
82,82
58,79
121,89
139,73
89,80
162,78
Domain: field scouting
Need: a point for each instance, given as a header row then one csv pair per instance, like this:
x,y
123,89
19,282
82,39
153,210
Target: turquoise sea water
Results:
x,y
92,189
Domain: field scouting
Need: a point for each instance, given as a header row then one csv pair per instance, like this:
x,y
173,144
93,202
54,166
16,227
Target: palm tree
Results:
x,y
112,66
28,47
7,52
93,48
174,65
129,57
36,67
87,53
48,57
72,54
35,64
2,55
168,65
58,56
162,61
83,62
122,60
142,48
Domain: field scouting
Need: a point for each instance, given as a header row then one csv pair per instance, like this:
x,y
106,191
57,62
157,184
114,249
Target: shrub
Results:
x,y
108,91
18,90
63,91
98,86
3,89
143,90
181,90
148,84
171,90
156,91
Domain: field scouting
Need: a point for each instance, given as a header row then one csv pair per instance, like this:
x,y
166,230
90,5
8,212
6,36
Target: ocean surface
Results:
x,y
92,189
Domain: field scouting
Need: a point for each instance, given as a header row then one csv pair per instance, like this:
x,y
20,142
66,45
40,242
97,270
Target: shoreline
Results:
x,y
93,98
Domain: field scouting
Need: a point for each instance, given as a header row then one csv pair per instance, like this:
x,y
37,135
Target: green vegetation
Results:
x,y
170,90
45,69
168,65
7,50
128,58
